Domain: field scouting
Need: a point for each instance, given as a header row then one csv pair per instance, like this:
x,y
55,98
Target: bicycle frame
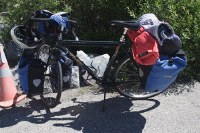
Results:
x,y
62,45
56,46
85,43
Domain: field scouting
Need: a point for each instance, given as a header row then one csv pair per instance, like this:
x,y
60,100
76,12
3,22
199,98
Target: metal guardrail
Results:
x,y
4,13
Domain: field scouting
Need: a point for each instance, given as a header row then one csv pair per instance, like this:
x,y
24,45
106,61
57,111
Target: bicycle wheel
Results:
x,y
126,77
52,83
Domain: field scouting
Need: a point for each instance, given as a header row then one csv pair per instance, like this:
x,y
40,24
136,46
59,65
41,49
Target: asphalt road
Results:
x,y
162,114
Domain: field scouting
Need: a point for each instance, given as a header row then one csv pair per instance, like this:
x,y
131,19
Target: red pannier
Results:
x,y
144,48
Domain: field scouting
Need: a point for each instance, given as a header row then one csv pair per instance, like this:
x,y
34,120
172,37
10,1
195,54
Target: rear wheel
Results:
x,y
52,83
126,77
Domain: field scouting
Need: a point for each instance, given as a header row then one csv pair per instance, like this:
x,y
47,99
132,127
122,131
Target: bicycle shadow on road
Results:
x,y
12,116
89,118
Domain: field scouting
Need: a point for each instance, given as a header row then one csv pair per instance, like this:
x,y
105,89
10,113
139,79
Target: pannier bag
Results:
x,y
163,72
144,47
31,75
66,64
157,50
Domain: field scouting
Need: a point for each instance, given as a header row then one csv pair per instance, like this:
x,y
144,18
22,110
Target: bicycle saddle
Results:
x,y
133,25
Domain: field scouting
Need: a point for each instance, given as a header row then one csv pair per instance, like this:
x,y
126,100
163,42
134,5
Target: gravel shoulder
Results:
x,y
165,113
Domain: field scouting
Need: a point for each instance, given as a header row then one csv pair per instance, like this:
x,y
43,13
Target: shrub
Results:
x,y
184,17
20,10
94,16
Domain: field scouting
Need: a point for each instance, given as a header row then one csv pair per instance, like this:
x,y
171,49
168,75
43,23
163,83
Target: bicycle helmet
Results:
x,y
25,38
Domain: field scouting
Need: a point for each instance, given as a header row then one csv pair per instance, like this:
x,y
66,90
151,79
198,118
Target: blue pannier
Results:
x,y
164,72
31,75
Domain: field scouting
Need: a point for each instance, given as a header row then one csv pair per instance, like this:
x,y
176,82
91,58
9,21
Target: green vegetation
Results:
x,y
184,16
93,18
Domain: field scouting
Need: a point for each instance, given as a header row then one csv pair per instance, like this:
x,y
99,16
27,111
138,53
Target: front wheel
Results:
x,y
52,83
127,80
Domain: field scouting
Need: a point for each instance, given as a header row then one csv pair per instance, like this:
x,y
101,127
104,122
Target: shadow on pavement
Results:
x,y
14,115
84,116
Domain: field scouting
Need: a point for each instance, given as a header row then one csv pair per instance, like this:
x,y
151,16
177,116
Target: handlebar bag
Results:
x,y
44,24
144,48
31,75
164,72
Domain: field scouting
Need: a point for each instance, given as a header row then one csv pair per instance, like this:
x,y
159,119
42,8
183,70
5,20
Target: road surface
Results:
x,y
174,113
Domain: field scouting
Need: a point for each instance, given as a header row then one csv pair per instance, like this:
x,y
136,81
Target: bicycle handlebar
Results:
x,y
133,25
47,19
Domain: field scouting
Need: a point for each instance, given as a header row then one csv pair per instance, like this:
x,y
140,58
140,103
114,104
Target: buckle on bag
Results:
x,y
143,54
170,62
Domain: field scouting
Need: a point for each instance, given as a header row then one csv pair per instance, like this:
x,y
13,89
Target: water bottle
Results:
x,y
104,62
100,64
84,58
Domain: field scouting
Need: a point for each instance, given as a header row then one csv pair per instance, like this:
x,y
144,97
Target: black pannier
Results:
x,y
31,75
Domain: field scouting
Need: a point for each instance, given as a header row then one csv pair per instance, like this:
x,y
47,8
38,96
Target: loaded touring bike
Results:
x,y
125,77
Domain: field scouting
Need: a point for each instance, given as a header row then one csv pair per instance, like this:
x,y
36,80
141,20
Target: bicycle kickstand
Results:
x,y
104,99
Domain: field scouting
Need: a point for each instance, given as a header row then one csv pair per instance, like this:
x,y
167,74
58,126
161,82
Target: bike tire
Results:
x,y
53,84
126,77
